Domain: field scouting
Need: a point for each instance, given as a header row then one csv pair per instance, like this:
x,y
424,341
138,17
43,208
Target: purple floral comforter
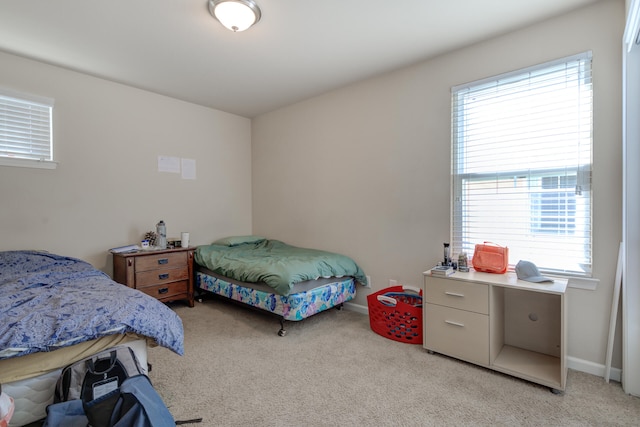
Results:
x,y
49,301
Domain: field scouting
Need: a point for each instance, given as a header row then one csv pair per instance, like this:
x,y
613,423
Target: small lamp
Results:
x,y
236,15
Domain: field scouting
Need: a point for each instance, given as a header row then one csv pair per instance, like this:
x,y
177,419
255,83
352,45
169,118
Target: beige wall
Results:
x,y
107,190
365,170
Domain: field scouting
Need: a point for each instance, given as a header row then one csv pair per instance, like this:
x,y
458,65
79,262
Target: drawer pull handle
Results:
x,y
163,261
163,276
454,294
454,323
163,290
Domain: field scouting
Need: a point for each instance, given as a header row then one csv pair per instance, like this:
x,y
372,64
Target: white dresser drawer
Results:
x,y
458,294
457,333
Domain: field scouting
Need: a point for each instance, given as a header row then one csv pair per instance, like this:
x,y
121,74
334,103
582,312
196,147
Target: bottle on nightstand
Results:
x,y
161,229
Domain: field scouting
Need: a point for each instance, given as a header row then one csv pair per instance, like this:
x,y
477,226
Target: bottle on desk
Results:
x,y
463,262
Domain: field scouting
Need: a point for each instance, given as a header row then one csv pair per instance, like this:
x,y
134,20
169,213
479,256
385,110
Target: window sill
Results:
x,y
26,163
587,283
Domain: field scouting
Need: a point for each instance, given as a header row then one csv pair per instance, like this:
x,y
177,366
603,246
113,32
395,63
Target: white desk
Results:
x,y
499,322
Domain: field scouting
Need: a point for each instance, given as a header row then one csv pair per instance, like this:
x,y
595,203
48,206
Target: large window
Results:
x,y
25,130
521,165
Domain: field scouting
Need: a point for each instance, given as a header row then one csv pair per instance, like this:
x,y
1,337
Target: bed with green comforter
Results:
x,y
286,280
275,263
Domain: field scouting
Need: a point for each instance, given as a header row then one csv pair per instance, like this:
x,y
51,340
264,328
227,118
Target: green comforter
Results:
x,y
275,263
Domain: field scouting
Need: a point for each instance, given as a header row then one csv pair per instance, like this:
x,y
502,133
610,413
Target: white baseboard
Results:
x,y
592,368
362,309
572,362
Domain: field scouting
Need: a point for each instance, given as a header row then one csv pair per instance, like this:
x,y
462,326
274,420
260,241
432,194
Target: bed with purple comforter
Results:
x,y
49,301
55,310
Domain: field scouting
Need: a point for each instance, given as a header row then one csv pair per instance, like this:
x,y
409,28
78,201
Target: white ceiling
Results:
x,y
299,49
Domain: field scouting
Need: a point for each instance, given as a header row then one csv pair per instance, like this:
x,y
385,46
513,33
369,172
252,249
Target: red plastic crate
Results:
x,y
396,313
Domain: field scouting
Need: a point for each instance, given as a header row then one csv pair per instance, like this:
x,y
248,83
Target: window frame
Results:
x,y
462,239
14,159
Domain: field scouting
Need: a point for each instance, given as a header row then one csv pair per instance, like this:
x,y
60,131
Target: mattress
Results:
x,y
306,298
37,373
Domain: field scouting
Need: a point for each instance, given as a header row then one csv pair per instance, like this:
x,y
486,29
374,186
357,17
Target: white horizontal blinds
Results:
x,y
521,165
25,128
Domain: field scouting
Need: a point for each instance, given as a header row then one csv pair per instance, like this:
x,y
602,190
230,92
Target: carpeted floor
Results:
x,y
332,370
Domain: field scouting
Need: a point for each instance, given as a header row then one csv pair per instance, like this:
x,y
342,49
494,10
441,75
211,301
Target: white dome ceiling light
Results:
x,y
236,15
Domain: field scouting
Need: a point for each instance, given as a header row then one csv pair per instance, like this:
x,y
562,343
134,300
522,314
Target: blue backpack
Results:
x,y
134,404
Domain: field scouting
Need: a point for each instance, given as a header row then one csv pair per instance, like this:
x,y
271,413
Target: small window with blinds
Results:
x,y
521,165
26,137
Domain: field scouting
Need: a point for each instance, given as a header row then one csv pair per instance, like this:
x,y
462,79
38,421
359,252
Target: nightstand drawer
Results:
x,y
164,260
166,290
161,275
458,294
457,333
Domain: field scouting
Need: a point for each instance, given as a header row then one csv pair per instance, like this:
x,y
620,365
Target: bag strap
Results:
x,y
91,367
192,421
494,244
140,388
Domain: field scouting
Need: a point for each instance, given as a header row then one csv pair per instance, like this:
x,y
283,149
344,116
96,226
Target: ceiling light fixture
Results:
x,y
236,15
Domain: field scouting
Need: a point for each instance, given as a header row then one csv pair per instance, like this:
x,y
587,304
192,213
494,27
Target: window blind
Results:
x,y
25,127
521,165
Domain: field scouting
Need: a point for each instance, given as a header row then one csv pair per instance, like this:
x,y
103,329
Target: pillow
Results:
x,y
238,240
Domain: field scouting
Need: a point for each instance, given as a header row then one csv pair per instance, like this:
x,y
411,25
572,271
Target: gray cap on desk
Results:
x,y
526,270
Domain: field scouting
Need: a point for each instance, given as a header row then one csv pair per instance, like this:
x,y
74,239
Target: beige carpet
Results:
x,y
332,370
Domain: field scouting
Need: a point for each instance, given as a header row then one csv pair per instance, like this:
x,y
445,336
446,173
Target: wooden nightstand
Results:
x,y
164,274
